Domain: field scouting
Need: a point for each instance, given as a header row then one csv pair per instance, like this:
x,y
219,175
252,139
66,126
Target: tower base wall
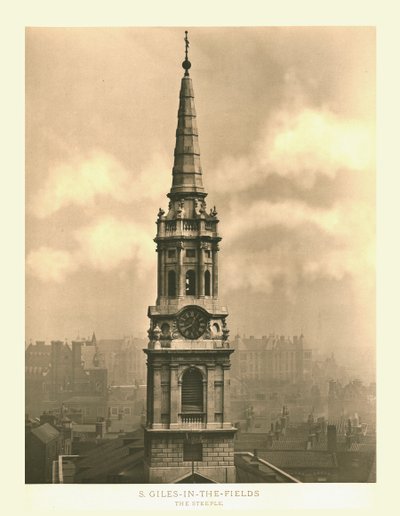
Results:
x,y
165,454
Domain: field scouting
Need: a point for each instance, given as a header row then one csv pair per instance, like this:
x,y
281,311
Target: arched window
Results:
x,y
171,284
207,283
192,391
190,283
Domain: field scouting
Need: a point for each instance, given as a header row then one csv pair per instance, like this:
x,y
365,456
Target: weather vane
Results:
x,y
186,44
186,63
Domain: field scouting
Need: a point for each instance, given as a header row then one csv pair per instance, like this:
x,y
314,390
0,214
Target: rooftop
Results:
x,y
45,433
85,399
299,459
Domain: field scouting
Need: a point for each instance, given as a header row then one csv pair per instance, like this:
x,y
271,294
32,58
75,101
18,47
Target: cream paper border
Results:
x,y
335,498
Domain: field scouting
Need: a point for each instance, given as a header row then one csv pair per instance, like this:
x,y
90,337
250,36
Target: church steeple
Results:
x,y
188,355
186,172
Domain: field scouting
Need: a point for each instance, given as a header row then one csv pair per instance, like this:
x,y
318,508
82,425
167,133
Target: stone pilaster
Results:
x,y
181,282
159,273
174,372
201,270
215,271
227,399
157,397
211,423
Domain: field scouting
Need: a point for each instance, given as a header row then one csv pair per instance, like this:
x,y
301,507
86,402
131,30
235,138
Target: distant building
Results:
x,y
124,360
45,440
267,373
43,445
272,359
37,365
62,374
126,408
352,398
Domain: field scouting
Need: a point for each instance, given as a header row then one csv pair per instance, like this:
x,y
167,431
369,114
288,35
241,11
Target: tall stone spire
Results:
x,y
188,418
186,173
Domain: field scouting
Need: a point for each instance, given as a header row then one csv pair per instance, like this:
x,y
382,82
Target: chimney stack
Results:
x,y
100,428
254,460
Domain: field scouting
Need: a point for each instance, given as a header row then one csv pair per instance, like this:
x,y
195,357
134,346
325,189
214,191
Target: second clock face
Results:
x,y
192,323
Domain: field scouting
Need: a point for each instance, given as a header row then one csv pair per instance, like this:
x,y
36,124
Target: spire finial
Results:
x,y
186,63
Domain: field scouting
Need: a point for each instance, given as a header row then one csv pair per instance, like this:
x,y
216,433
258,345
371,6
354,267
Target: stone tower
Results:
x,y
188,433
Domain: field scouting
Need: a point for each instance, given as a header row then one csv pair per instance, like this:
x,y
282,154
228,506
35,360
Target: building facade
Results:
x,y
124,360
188,428
272,359
63,375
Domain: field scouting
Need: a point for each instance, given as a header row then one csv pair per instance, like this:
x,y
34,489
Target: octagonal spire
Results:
x,y
186,172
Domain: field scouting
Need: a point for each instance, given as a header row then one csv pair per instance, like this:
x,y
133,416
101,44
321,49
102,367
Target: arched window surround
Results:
x,y
192,390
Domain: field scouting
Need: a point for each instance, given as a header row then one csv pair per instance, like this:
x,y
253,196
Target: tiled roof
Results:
x,y
247,473
83,428
113,457
46,433
323,446
362,447
299,459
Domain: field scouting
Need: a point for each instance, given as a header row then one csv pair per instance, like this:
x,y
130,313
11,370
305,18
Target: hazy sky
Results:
x,y
286,130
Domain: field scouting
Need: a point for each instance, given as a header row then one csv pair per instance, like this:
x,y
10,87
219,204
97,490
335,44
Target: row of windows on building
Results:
x,y
102,411
190,283
190,253
117,411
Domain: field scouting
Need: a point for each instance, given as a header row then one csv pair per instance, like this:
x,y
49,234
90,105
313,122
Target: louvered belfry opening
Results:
x,y
192,391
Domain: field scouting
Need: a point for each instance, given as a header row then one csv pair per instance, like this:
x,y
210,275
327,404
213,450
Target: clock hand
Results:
x,y
187,325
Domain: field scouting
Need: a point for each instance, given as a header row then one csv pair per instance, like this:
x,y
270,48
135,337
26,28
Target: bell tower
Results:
x,y
188,432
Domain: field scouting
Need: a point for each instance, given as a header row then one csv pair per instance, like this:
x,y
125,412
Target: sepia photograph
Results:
x,y
200,256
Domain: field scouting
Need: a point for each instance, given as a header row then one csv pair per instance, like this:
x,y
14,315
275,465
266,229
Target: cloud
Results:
x,y
298,143
104,245
259,270
289,214
49,264
301,145
108,242
83,180
313,244
288,264
314,142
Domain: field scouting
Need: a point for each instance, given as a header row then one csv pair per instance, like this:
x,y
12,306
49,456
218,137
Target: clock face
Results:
x,y
192,323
